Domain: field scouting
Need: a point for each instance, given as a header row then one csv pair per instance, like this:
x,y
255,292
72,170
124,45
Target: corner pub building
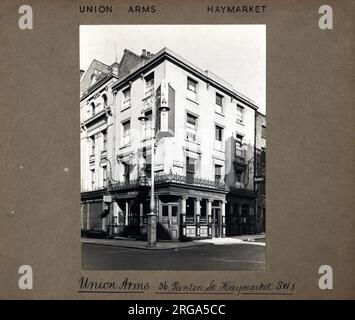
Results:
x,y
204,150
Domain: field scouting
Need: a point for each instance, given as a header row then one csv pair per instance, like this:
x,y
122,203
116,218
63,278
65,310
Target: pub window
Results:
x,y
263,131
191,127
149,84
126,132
92,145
93,108
217,172
104,176
219,103
218,137
239,145
191,89
240,114
126,172
92,179
239,178
104,100
126,103
190,169
104,139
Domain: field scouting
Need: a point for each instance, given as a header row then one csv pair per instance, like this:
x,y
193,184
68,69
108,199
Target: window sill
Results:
x,y
146,139
125,146
220,114
219,150
192,141
193,101
125,108
241,123
146,97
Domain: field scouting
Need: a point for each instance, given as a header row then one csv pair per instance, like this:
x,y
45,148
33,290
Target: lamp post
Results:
x,y
152,217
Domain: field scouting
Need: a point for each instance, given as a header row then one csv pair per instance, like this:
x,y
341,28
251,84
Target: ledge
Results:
x,y
195,102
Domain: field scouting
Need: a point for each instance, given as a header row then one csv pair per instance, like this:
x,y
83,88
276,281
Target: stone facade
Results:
x,y
204,150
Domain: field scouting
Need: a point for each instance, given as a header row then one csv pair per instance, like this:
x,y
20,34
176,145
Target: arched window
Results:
x,y
92,108
104,99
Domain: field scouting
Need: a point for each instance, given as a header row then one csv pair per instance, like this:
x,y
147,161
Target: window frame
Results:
x,y
126,102
191,127
148,90
220,167
221,106
124,143
239,139
104,139
240,115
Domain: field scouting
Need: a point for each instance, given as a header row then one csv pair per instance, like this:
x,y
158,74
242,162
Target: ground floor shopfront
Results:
x,y
183,211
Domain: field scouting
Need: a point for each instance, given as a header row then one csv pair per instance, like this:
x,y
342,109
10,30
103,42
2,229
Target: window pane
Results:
x,y
191,119
165,211
174,211
219,99
219,133
190,165
191,84
240,111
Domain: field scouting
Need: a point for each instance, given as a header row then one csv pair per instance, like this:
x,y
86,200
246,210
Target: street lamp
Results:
x,y
152,217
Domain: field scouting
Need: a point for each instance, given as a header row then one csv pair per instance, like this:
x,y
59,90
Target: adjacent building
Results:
x,y
205,150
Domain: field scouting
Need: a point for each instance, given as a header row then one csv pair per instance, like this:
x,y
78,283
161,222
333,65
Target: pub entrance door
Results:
x,y
170,219
215,222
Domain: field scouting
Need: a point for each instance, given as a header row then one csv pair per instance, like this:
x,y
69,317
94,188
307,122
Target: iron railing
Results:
x,y
169,178
173,177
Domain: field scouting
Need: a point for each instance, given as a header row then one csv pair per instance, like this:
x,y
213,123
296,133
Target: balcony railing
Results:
x,y
170,178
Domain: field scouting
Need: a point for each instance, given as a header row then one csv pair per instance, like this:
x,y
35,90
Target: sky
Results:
x,y
235,53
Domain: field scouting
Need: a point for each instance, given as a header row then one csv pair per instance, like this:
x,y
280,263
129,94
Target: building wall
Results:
x,y
205,109
95,130
204,149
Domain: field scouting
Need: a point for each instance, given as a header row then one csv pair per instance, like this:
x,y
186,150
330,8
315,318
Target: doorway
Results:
x,y
215,222
169,218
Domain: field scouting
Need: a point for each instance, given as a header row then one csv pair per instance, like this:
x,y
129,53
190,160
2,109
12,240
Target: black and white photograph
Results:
x,y
173,147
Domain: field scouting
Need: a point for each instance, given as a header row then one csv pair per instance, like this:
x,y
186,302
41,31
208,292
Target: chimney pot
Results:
x,y
144,53
148,54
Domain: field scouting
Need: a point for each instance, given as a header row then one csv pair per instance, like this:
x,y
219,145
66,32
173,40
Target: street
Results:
x,y
244,256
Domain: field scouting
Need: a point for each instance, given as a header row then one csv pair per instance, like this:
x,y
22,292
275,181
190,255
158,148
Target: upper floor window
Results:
x,y
126,132
126,103
217,172
92,145
263,131
239,145
92,179
126,172
191,89
190,168
239,178
219,103
191,127
93,108
104,176
240,114
104,100
218,137
149,84
104,139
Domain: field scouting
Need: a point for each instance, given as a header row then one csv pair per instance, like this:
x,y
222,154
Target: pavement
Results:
x,y
168,245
